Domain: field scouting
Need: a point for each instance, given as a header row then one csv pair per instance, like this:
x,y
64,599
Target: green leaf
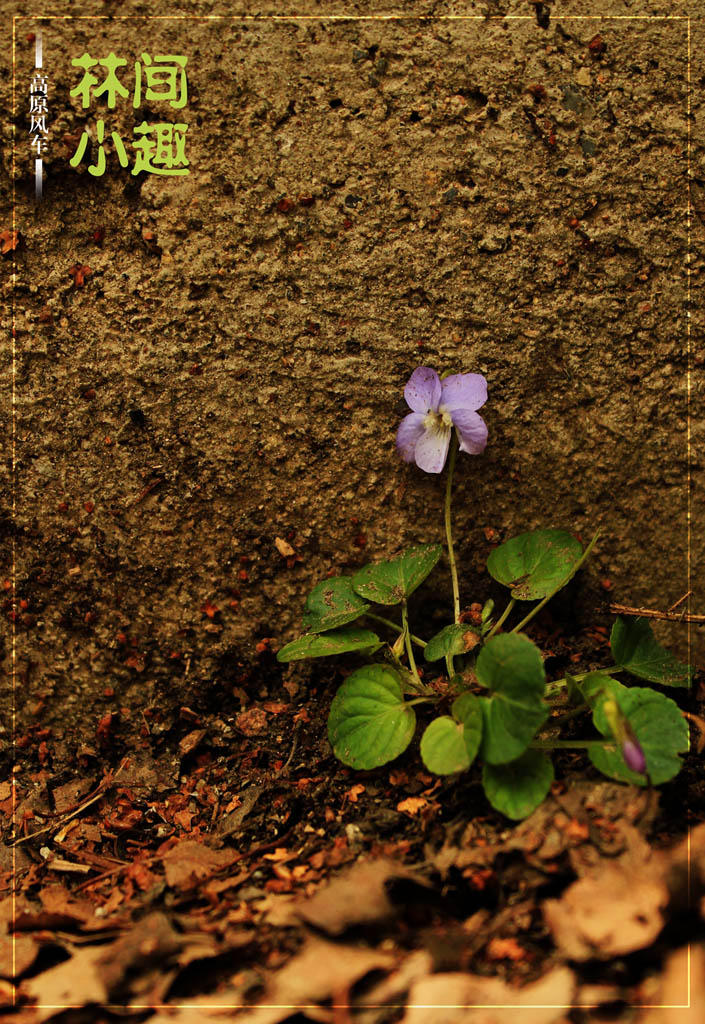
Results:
x,y
332,603
443,747
635,648
450,744
534,564
315,645
510,666
575,692
466,709
393,581
369,722
658,725
451,640
516,789
595,686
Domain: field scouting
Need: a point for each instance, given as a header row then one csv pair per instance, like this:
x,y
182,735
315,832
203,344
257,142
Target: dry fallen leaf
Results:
x,y
508,948
319,972
189,862
9,241
680,998
354,792
609,914
141,961
190,741
58,987
412,805
470,999
358,896
17,953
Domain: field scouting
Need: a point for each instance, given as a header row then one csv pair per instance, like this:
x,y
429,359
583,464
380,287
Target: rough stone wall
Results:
x,y
492,195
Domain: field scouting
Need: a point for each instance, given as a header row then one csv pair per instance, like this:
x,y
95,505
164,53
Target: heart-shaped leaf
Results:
x,y
635,648
322,645
443,747
466,709
455,639
369,722
535,564
516,789
450,744
393,581
658,725
331,604
510,666
595,686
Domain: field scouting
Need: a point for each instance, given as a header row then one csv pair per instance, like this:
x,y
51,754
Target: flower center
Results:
x,y
440,420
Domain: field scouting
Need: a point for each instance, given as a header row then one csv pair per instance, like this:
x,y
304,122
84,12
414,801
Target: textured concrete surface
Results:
x,y
493,195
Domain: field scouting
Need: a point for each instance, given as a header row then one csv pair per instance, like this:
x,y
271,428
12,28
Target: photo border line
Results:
x,y
13,635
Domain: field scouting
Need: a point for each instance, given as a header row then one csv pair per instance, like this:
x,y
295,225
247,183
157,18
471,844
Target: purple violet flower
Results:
x,y
634,755
438,406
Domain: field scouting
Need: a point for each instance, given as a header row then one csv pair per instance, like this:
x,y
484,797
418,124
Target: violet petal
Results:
x,y
464,391
432,448
410,430
634,756
423,390
472,431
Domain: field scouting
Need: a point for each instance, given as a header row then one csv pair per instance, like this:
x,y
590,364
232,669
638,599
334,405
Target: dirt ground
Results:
x,y
200,366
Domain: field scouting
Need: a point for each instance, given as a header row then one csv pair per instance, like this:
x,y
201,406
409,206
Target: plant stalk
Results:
x,y
500,621
570,744
449,530
396,627
537,608
408,645
558,684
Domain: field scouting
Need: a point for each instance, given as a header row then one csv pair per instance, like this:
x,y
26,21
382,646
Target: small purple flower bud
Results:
x,y
634,755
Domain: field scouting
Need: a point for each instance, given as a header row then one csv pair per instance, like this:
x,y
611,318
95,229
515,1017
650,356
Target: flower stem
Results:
x,y
567,716
395,626
449,530
407,643
570,744
501,619
537,608
557,685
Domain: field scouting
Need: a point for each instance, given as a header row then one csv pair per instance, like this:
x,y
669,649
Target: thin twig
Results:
x,y
652,613
100,791
297,730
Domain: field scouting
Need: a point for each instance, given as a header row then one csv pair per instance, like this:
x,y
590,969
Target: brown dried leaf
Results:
x,y
682,993
70,794
9,241
608,915
412,805
129,965
470,999
55,899
17,953
190,741
78,980
319,972
358,896
189,862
